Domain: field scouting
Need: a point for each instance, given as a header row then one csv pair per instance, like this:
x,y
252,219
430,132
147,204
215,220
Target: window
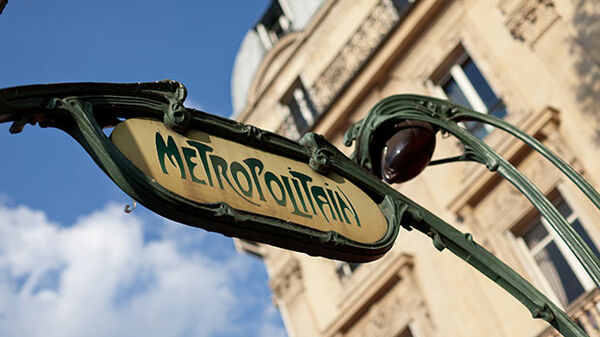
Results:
x,y
273,25
406,333
550,257
344,270
297,105
464,84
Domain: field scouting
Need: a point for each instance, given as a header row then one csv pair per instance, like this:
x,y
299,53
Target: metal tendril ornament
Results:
x,y
408,151
406,146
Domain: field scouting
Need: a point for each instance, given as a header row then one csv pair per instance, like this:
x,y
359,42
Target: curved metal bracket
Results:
x,y
83,110
371,132
446,116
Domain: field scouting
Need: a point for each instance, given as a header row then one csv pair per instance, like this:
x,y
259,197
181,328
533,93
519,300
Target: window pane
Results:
x,y
558,273
535,235
341,272
494,105
477,129
406,333
454,93
584,235
301,123
498,109
353,265
479,83
300,107
563,207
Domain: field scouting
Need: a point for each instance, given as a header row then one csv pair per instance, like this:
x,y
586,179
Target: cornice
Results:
x,y
393,268
287,283
258,91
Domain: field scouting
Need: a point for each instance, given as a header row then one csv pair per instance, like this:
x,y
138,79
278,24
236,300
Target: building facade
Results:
x,y
320,65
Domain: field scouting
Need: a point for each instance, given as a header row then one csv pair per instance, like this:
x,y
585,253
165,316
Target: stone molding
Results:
x,y
288,127
287,283
390,314
380,320
371,33
390,275
528,20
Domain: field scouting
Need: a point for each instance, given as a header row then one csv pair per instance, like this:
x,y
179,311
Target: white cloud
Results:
x,y
100,277
192,103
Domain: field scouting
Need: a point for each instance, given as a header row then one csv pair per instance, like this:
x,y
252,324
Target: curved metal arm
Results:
x,y
446,115
35,104
536,145
370,136
83,109
410,215
462,245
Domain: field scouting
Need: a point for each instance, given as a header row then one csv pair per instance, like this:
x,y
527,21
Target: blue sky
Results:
x,y
72,263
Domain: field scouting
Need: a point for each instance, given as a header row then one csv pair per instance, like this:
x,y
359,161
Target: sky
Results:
x,y
72,263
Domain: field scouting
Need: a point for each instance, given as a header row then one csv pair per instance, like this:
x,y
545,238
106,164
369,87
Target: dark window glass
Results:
x,y
345,270
559,274
454,93
584,235
477,129
479,83
563,207
271,21
301,107
353,266
406,333
565,210
535,235
278,30
492,102
556,267
301,123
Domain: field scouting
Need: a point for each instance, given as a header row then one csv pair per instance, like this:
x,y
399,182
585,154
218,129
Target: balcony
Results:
x,y
585,312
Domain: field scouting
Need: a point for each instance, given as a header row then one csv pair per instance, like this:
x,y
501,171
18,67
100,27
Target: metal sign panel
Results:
x,y
245,182
217,174
209,169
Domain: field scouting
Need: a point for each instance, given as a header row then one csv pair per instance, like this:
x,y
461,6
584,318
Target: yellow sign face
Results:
x,y
210,169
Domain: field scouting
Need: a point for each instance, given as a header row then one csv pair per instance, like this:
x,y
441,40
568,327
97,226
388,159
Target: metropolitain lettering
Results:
x,y
254,183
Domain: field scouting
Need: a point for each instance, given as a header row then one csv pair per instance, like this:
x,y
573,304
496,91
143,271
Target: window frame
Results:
x,y
345,270
452,69
306,115
277,16
527,255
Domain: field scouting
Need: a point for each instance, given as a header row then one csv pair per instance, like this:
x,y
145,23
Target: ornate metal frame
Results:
x,y
370,135
83,110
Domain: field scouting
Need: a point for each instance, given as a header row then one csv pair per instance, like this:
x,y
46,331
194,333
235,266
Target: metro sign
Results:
x,y
214,173
209,169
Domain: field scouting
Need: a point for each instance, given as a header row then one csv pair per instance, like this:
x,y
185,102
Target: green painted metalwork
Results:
x,y
2,5
83,110
446,115
370,135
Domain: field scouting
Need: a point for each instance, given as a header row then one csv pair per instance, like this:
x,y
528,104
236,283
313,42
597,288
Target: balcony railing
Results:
x,y
585,312
357,50
288,128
